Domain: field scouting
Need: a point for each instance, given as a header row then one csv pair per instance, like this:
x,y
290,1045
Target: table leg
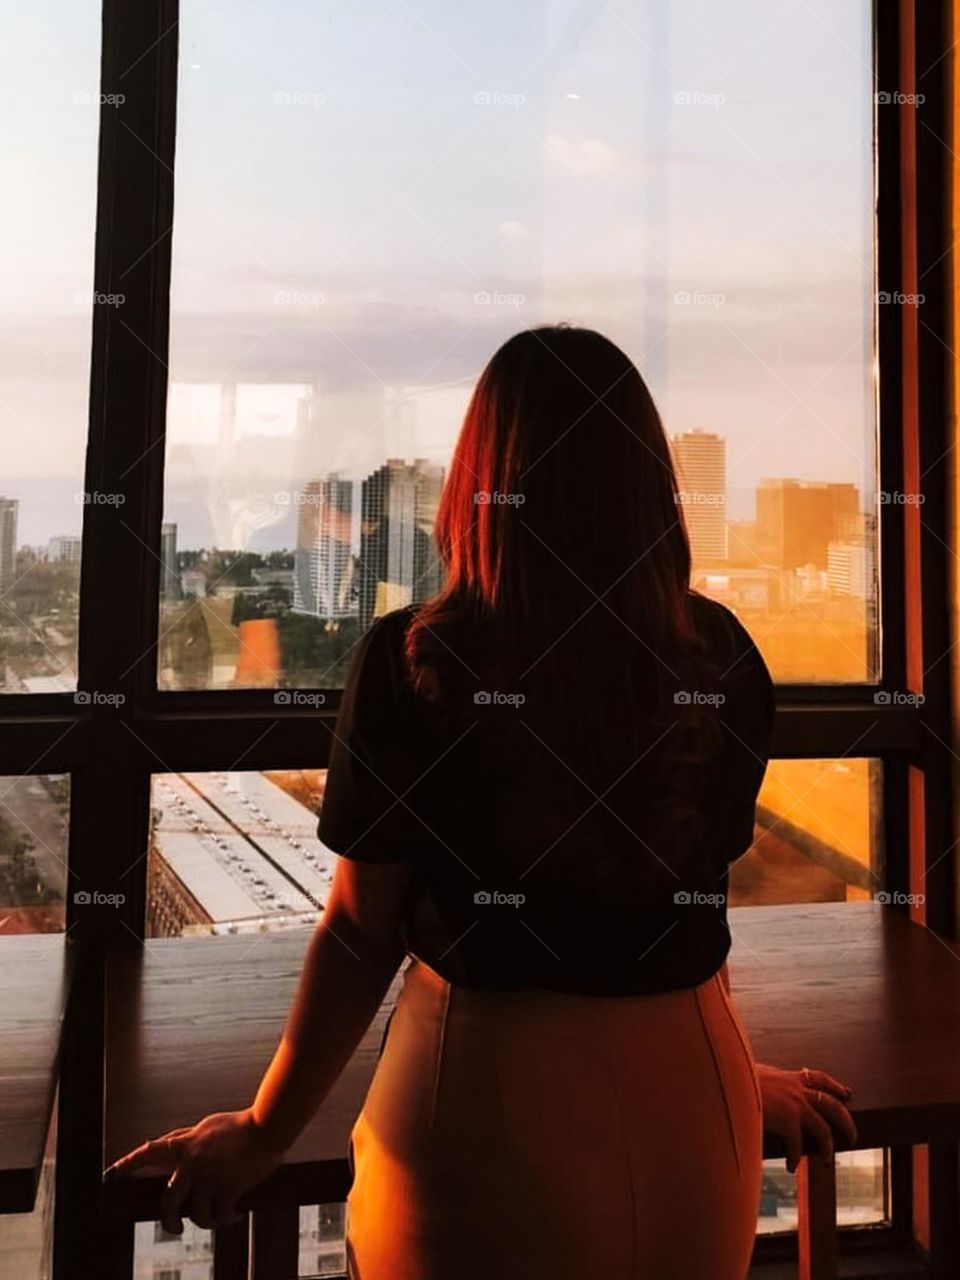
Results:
x,y
944,1183
817,1225
231,1250
275,1243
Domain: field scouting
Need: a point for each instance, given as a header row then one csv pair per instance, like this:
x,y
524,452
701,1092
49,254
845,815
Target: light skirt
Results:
x,y
541,1136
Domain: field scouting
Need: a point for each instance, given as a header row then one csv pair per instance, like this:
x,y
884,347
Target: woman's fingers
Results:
x,y
793,1141
826,1083
836,1113
200,1209
154,1157
819,1131
174,1196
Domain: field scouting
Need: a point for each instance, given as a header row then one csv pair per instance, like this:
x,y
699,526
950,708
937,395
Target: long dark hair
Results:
x,y
567,558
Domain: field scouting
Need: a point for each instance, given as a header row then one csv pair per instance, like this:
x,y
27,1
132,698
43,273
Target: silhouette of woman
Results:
x,y
538,780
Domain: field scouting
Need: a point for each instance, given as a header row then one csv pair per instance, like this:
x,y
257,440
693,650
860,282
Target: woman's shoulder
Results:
x,y
719,624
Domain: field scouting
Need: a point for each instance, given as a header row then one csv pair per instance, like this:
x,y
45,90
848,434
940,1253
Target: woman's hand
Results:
x,y
211,1163
796,1103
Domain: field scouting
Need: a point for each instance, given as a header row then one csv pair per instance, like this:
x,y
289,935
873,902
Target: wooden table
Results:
x,y
35,974
857,990
854,989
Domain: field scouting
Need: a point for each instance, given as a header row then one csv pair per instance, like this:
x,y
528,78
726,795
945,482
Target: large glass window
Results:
x,y
34,817
236,852
817,837
50,68
370,201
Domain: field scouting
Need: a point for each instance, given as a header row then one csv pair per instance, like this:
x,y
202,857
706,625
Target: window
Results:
x,y
236,852
34,810
817,837
355,233
50,68
369,203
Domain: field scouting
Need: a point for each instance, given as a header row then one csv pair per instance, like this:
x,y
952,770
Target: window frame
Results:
x,y
111,753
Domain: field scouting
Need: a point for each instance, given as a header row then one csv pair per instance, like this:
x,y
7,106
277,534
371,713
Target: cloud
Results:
x,y
583,157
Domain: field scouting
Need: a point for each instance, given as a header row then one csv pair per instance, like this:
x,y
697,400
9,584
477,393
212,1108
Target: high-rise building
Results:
x,y
8,543
399,564
169,577
798,519
323,564
701,461
850,569
64,548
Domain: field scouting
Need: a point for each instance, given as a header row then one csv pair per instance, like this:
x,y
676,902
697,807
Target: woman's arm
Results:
x,y
352,958
801,1105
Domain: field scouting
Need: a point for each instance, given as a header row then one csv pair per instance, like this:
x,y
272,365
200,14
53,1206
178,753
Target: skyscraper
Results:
x,y
701,461
8,543
398,558
64,548
798,519
322,566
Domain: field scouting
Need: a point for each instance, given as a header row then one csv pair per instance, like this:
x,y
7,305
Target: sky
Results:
x,y
370,197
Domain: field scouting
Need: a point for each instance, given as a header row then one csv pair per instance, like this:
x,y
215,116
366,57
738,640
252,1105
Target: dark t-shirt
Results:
x,y
527,879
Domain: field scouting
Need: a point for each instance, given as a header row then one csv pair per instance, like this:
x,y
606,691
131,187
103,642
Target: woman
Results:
x,y
538,781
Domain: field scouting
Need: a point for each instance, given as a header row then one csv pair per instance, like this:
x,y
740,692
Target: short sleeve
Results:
x,y
746,721
363,815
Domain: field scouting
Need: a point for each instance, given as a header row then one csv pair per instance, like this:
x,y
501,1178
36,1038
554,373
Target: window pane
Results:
x,y
817,837
369,201
48,156
235,852
34,825
863,1196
